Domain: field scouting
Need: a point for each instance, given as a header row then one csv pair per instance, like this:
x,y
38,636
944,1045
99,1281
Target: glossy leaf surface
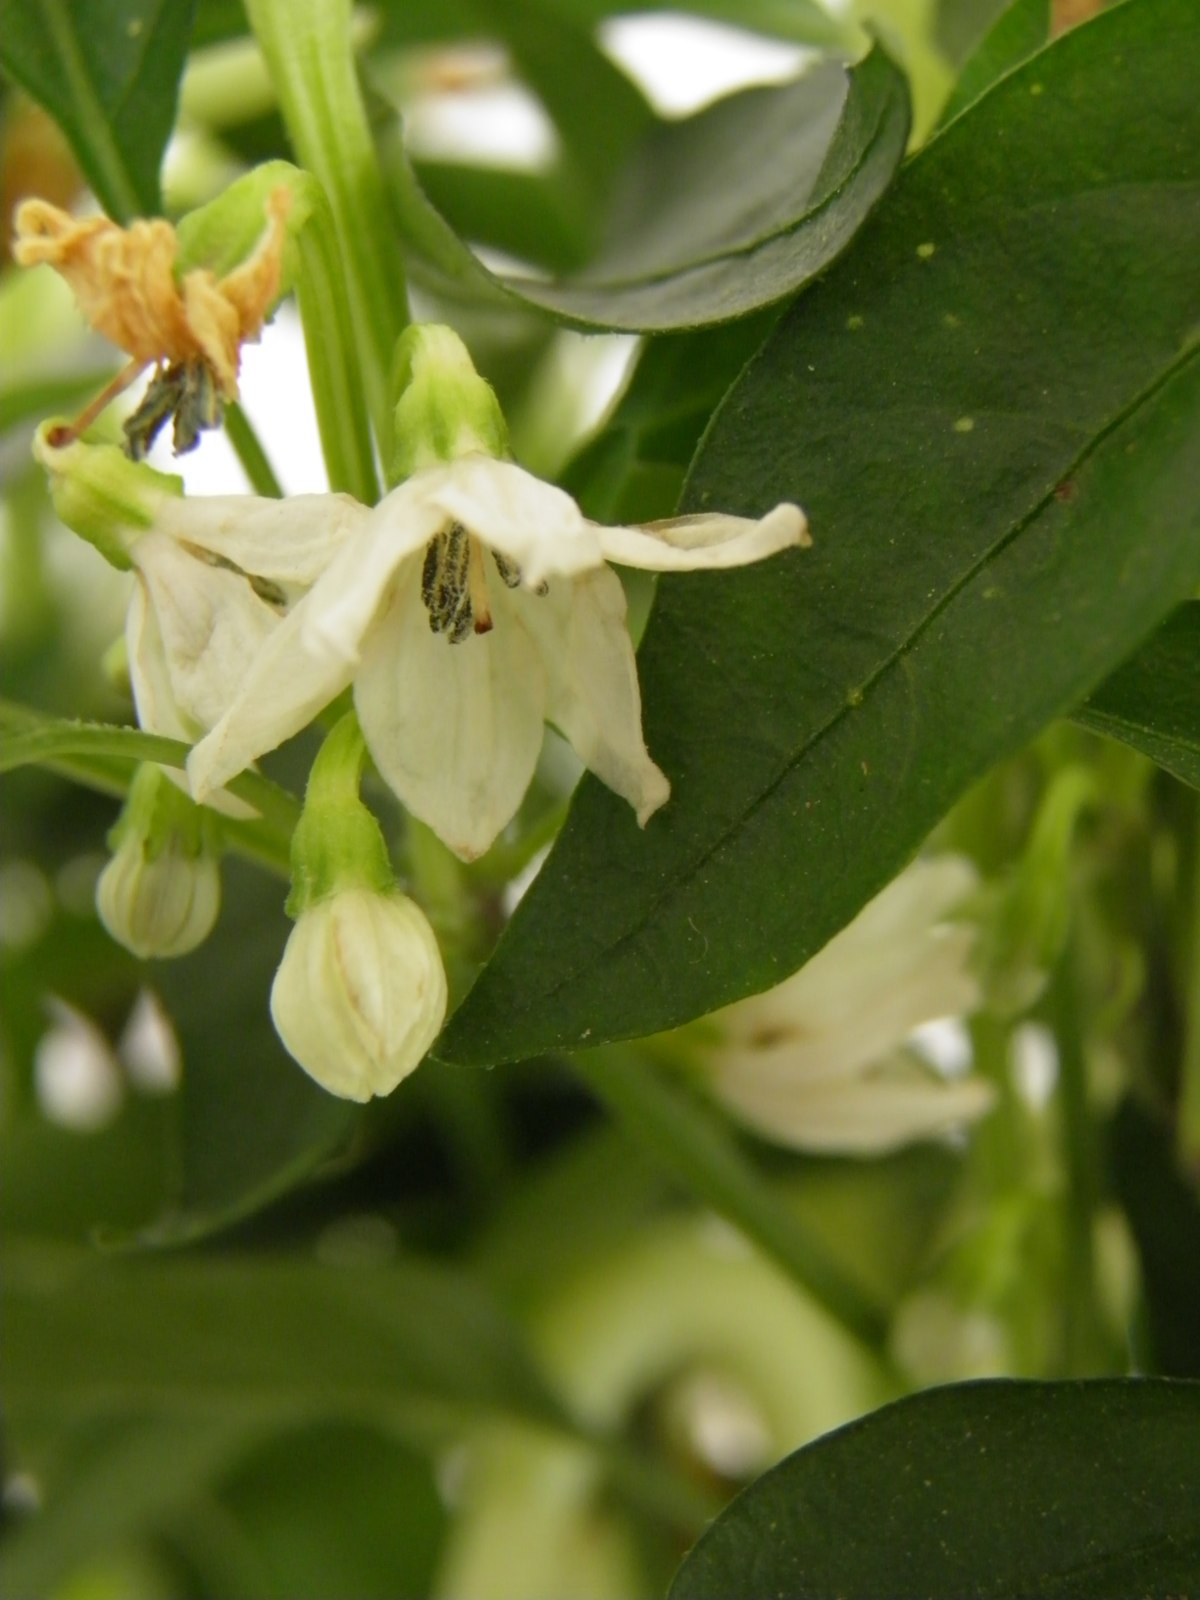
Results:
x,y
1086,1490
980,469
719,214
108,72
1152,701
400,1343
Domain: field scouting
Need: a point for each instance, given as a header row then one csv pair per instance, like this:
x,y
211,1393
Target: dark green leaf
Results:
x,y
719,214
1004,490
535,215
633,470
960,25
108,72
1164,1214
1084,1490
1020,30
1152,701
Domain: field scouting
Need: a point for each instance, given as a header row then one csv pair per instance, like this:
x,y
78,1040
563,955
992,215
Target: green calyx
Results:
x,y
445,409
158,815
100,494
337,844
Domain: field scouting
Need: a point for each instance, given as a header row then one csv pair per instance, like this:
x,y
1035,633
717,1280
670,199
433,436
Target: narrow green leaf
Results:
x,y
95,752
1080,1490
1152,701
1004,492
108,72
1163,1209
535,215
1020,30
716,215
402,1344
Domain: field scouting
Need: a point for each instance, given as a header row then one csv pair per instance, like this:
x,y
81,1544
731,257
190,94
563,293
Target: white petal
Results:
x,y
592,680
883,948
211,622
455,729
862,1115
314,653
341,606
684,544
157,710
284,688
290,541
531,522
822,1041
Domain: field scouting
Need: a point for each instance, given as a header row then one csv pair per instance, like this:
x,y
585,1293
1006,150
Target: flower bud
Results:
x,y
360,994
160,893
445,409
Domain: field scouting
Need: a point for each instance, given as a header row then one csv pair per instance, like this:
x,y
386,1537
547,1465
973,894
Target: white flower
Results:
x,y
214,579
471,606
821,1062
213,576
360,994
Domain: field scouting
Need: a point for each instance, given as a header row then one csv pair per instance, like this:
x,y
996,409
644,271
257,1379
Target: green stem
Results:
x,y
251,454
307,46
27,738
329,341
1082,1344
1188,1113
694,1145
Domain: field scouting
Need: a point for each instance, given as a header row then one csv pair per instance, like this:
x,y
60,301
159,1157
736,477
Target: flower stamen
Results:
x,y
445,583
477,588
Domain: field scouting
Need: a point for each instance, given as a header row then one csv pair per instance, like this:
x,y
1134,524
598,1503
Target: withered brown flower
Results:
x,y
191,327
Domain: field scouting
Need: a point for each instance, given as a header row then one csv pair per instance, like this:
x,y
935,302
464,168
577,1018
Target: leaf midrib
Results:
x,y
733,253
91,111
694,864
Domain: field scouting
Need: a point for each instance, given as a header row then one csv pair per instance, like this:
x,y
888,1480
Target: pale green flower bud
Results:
x,y
360,994
445,410
100,494
160,894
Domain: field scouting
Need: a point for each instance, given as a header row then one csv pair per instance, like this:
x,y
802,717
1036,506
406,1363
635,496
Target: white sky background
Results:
x,y
680,62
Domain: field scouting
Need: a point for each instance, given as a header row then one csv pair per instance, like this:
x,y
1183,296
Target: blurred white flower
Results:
x,y
75,1074
360,994
824,1060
